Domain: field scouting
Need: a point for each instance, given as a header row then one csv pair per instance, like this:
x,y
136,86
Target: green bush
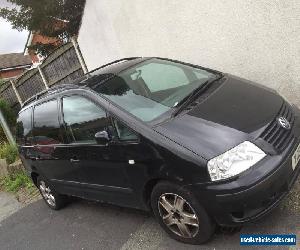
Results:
x,y
16,182
8,152
9,116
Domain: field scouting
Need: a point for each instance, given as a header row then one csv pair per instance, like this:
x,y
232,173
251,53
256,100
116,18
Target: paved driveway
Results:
x,y
89,225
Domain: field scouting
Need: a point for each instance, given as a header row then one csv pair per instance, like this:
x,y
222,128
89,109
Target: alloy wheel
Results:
x,y
47,193
178,215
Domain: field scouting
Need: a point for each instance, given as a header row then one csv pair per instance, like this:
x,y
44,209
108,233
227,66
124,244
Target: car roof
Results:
x,y
96,76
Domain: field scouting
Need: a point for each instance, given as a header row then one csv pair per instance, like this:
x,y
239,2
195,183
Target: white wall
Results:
x,y
258,40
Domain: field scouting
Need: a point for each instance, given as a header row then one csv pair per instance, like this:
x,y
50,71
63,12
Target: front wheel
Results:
x,y
180,214
54,200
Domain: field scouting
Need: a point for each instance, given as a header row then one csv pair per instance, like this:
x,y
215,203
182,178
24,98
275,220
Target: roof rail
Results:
x,y
62,86
51,90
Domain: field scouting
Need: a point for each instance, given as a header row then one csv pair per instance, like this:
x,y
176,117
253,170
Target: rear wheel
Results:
x,y
180,214
53,199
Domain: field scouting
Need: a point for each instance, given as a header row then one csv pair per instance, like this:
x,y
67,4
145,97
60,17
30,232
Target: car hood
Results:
x,y
236,111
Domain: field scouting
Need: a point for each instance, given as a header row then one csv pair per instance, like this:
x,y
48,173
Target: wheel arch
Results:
x,y
149,186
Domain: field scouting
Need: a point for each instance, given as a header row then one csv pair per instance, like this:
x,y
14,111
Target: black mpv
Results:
x,y
197,147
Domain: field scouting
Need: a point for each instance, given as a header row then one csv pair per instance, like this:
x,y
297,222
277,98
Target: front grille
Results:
x,y
275,134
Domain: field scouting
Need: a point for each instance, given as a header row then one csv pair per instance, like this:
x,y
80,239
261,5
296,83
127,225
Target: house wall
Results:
x,y
258,40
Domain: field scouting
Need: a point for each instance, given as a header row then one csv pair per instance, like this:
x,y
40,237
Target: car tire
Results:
x,y
180,214
53,199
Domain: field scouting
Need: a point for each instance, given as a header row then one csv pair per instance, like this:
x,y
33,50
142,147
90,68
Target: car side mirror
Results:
x,y
102,137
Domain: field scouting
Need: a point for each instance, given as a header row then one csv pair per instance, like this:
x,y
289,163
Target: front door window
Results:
x,y
83,119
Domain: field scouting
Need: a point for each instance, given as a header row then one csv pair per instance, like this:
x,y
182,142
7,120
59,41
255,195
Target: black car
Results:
x,y
197,147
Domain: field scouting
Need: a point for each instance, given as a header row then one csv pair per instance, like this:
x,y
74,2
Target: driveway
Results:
x,y
90,225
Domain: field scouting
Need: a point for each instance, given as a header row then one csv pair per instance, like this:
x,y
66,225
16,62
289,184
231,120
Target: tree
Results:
x,y
52,18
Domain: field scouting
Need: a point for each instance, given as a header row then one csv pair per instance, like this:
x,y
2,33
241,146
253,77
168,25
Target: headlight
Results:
x,y
234,161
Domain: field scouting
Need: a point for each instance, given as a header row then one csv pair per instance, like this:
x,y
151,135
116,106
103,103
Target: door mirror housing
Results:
x,y
102,137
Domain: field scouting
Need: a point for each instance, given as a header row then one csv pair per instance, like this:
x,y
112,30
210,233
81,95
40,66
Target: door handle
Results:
x,y
74,160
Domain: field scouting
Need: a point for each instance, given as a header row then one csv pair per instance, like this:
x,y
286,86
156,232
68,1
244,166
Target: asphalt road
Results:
x,y
89,225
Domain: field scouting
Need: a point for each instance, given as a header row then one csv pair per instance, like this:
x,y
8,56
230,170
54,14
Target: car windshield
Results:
x,y
153,87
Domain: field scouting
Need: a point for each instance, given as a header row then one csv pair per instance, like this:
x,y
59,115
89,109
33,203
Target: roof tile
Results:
x,y
13,60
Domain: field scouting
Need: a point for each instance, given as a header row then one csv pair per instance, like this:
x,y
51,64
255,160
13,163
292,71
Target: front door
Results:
x,y
102,167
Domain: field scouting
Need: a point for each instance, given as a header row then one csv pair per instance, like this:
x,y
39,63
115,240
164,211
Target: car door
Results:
x,y
101,168
50,148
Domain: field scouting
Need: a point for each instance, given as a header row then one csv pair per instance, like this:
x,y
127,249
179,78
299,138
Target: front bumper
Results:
x,y
255,202
254,193
232,208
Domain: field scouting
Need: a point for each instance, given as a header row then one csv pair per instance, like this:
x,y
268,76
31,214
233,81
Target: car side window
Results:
x,y
124,133
83,119
24,127
46,126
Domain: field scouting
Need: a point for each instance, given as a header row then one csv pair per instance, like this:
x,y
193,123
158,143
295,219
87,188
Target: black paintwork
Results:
x,y
174,148
235,112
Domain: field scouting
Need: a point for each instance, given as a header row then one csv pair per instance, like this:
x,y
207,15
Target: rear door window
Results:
x,y
46,124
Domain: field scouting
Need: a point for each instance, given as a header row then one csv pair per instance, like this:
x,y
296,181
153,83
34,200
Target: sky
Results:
x,y
10,40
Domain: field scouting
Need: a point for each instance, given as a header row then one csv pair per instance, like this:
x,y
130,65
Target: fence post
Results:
x,y
79,55
16,92
6,129
43,77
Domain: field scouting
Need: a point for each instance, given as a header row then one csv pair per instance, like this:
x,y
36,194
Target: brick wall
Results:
x,y
11,73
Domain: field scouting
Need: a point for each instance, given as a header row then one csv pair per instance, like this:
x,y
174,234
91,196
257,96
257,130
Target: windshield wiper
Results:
x,y
192,96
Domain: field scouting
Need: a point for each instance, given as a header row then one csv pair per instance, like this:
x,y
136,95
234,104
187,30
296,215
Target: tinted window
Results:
x,y
83,119
24,126
124,133
46,125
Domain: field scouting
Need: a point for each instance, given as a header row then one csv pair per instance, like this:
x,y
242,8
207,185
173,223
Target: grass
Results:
x,y
8,152
17,182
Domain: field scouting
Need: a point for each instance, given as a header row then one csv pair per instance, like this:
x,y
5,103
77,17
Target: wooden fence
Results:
x,y
62,66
